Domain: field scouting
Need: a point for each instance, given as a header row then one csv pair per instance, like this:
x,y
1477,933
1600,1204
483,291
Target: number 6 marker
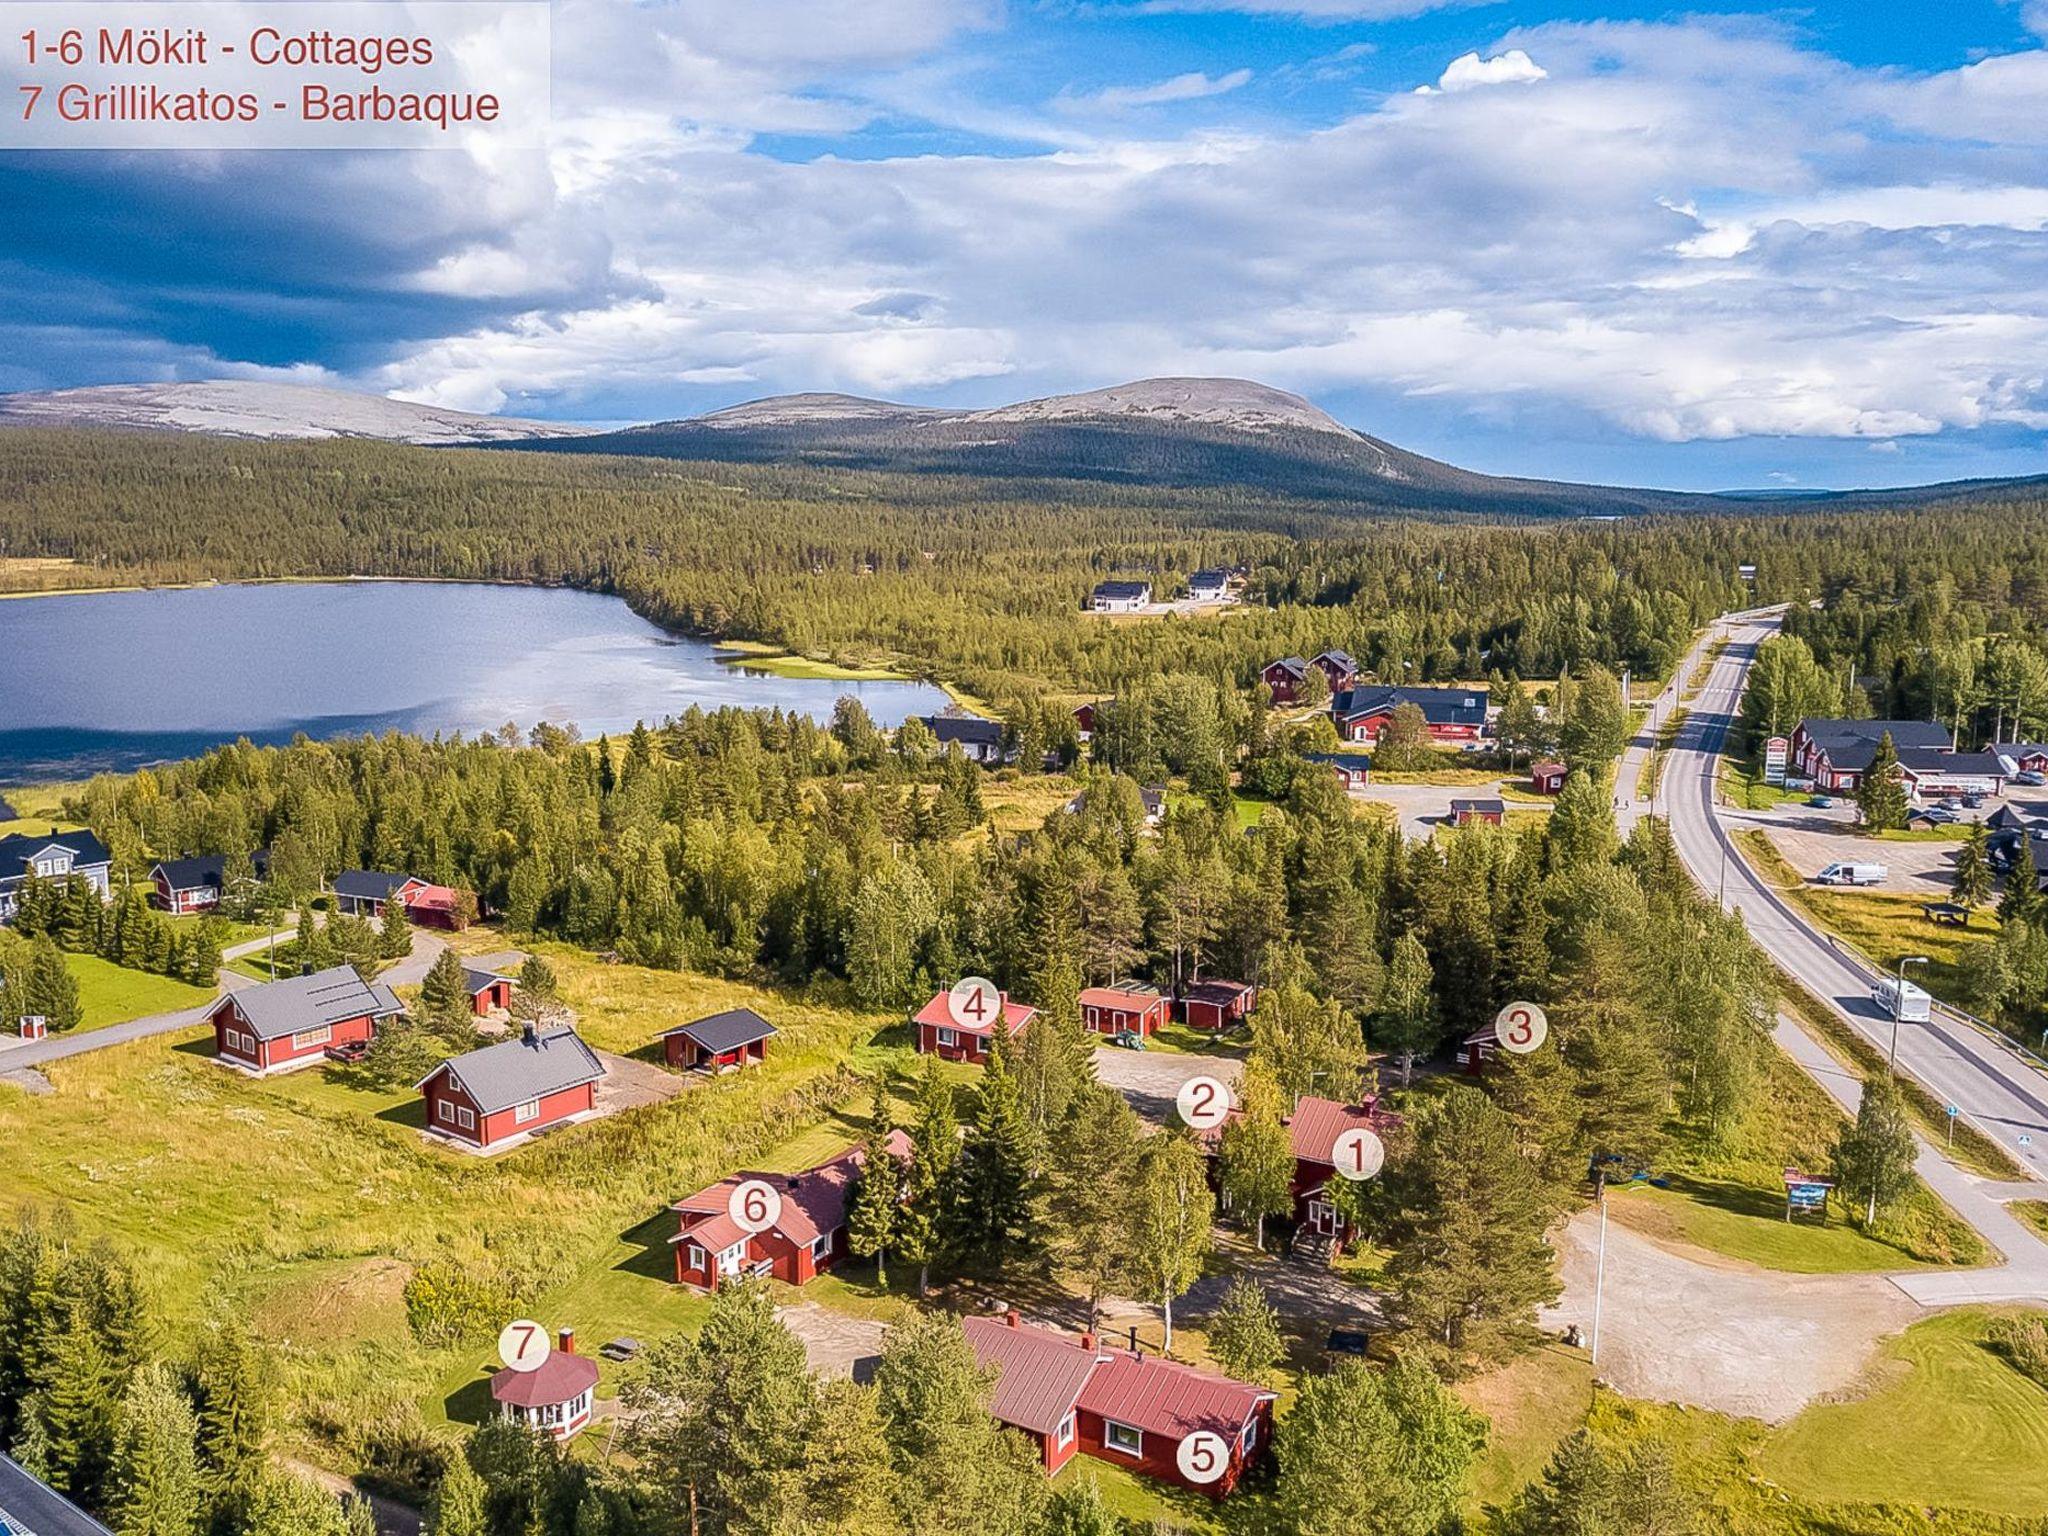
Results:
x,y
755,1205
1203,1102
523,1346
1520,1027
1203,1457
1358,1154
974,1002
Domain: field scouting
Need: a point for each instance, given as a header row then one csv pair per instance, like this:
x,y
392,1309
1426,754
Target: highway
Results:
x,y
1996,1088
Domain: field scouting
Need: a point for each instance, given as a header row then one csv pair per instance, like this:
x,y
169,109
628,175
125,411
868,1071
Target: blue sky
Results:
x,y
1734,246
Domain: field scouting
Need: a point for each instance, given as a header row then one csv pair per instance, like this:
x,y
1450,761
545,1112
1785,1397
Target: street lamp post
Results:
x,y
1899,1006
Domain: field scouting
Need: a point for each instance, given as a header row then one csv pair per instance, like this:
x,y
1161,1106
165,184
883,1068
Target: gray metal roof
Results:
x,y
1439,706
726,1031
514,1071
1851,744
29,1507
279,1008
477,980
367,884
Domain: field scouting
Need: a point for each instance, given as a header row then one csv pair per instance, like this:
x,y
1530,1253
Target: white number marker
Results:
x,y
756,1205
523,1346
1203,1102
1358,1154
974,1002
1521,1028
1203,1457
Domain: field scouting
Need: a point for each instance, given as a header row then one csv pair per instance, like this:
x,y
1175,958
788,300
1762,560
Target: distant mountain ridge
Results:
x,y
253,408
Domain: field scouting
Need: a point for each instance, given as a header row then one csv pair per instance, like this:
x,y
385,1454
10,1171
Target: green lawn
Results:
x,y
1742,785
1250,810
1530,1405
112,994
1743,1221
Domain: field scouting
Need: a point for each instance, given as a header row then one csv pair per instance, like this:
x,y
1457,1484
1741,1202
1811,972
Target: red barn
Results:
x,y
1217,1005
291,1023
488,991
1123,1005
720,1043
809,1236
1071,1393
556,1397
1283,678
938,1035
502,1093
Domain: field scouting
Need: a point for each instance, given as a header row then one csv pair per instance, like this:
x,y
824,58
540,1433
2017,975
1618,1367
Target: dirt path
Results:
x,y
1689,1327
392,1517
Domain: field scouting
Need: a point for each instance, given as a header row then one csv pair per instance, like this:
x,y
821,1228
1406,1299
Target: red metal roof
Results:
x,y
1317,1123
813,1202
561,1378
1164,1397
937,1011
1040,1372
1128,997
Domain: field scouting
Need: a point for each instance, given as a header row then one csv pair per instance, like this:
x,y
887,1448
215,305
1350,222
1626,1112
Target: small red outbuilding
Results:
x,y
938,1034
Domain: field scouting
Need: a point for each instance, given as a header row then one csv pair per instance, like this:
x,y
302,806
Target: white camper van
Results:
x,y
1853,874
1903,1001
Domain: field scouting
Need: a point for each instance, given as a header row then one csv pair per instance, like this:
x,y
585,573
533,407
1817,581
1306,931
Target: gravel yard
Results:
x,y
1150,1079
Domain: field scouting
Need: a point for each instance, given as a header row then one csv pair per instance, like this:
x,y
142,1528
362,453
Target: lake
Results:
x,y
115,680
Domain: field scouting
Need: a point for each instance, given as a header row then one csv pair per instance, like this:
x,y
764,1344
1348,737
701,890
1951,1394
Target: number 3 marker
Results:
x,y
755,1205
1203,1457
1203,1102
1520,1027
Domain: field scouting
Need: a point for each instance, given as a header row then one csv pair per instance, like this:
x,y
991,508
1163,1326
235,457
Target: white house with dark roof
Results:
x,y
282,1025
490,1098
1120,596
978,739
57,856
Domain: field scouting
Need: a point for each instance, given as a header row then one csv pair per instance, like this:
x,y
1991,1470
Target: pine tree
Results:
x,y
1244,1332
155,1482
878,1189
1972,884
394,929
232,1416
848,1485
1581,827
994,1209
1385,1451
1094,1162
1881,792
458,1507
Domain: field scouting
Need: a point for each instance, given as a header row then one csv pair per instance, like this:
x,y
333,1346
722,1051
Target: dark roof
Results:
x,y
279,1008
561,1378
1294,666
478,981
1480,807
1210,577
1357,762
1851,744
368,884
7,812
1941,760
30,1507
16,851
1341,658
969,730
1214,992
513,1071
726,1031
204,869
1122,590
1153,798
1439,706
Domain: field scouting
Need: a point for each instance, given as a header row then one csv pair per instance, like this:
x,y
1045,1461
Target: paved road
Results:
x,y
1997,1089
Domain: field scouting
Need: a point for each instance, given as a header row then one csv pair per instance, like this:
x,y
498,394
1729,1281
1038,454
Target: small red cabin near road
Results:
x,y
1467,811
808,1238
1070,1393
1217,1005
1123,1005
720,1043
498,1095
938,1035
363,893
1547,778
291,1023
555,1398
1478,1050
488,991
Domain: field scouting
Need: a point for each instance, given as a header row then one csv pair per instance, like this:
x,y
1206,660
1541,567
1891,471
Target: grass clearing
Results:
x,y
113,994
1742,784
1530,1405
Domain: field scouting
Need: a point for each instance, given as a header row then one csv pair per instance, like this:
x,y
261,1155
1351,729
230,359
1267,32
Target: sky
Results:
x,y
1743,246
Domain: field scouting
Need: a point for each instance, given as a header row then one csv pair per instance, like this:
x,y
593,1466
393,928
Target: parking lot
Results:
x,y
1424,807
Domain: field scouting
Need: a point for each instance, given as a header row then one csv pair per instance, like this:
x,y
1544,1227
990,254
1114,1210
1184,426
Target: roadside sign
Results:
x,y
1776,751
1803,1192
1953,1111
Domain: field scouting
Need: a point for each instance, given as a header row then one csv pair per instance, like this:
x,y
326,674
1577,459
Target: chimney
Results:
x,y
1014,1318
1088,1343
305,967
1134,1338
529,1032
565,1341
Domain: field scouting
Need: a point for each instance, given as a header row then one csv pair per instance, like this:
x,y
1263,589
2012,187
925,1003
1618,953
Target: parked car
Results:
x,y
348,1052
1822,802
1973,802
1937,814
1853,874
2031,779
1952,803
1129,1039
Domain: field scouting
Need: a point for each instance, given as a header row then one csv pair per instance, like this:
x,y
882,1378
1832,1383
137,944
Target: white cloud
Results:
x,y
1192,86
1469,71
1317,10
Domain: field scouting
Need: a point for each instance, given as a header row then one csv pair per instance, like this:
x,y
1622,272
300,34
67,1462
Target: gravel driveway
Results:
x,y
1712,1333
835,1344
1150,1079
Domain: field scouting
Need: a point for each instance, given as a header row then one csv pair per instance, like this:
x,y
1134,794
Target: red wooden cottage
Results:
x,y
1456,717
498,1095
720,1043
488,991
1123,1005
184,886
1312,1132
1070,1393
1547,778
809,1236
1466,811
1085,717
938,1035
1283,678
363,893
1338,668
555,1398
291,1023
1217,1005
1478,1050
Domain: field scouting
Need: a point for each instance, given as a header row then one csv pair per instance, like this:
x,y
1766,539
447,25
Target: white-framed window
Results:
x,y
821,1246
465,1117
530,1110
695,1256
1250,1437
304,1038
949,1038
1064,1436
1122,1437
446,1109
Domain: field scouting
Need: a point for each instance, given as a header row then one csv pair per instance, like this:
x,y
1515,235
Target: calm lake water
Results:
x,y
118,679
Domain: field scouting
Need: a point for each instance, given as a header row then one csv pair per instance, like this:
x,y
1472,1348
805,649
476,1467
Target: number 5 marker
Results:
x,y
1203,1457
1520,1027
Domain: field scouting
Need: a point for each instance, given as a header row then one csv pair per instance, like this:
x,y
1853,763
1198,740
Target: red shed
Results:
x,y
502,1093
1465,811
1217,1005
488,991
808,1238
291,1023
554,1398
1476,1052
720,1043
1123,1005
1547,778
1071,1393
938,1035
